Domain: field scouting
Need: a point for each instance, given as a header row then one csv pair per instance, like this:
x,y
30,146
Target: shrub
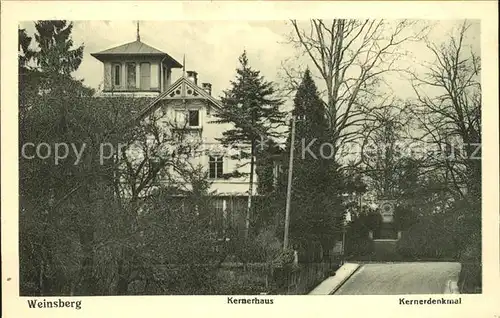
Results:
x,y
245,250
428,239
268,244
359,247
284,259
263,248
242,284
470,280
357,240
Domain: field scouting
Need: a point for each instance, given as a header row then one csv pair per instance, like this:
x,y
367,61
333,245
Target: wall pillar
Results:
x,y
138,75
162,77
124,83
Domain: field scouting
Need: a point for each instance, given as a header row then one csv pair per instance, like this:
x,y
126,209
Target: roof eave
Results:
x,y
174,63
97,56
151,106
107,56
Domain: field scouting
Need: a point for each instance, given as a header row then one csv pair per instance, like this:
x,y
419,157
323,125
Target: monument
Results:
x,y
387,227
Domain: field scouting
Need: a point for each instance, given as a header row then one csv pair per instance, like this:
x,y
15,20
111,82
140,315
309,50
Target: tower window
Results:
x,y
117,74
131,75
215,169
145,76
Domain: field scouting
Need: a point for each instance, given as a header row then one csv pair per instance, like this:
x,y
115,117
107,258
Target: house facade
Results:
x,y
190,109
138,70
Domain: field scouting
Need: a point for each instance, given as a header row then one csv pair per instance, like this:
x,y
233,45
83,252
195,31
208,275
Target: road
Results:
x,y
400,278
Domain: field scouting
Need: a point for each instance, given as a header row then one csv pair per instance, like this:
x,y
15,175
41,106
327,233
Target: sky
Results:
x,y
212,48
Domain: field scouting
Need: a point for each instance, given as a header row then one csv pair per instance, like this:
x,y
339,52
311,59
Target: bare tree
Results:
x,y
159,155
381,152
448,111
351,57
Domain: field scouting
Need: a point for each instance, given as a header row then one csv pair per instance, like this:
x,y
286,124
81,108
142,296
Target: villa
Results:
x,y
137,70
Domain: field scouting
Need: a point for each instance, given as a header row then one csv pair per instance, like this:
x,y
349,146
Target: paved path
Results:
x,y
400,278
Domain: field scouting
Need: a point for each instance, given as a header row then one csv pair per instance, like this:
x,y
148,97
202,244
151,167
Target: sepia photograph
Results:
x,y
278,157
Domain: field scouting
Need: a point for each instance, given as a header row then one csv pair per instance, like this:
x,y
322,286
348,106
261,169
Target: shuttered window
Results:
x,y
145,76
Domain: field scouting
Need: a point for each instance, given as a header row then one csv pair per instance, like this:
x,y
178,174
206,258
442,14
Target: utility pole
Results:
x,y
344,230
289,189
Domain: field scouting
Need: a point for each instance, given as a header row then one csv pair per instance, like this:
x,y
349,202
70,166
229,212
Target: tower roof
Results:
x,y
135,48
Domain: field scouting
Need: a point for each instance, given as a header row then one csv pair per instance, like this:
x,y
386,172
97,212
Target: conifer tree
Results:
x,y
253,110
316,186
25,53
56,54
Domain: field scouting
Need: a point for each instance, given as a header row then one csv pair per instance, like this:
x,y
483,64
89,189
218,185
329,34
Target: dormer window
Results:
x,y
117,68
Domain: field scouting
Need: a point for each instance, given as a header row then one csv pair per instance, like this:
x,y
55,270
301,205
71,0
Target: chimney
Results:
x,y
192,76
207,87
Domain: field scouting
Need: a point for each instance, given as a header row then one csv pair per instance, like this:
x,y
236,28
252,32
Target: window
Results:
x,y
145,76
131,75
180,117
187,119
215,167
194,118
117,74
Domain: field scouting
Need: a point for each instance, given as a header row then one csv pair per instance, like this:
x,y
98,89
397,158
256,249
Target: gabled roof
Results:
x,y
182,83
135,48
